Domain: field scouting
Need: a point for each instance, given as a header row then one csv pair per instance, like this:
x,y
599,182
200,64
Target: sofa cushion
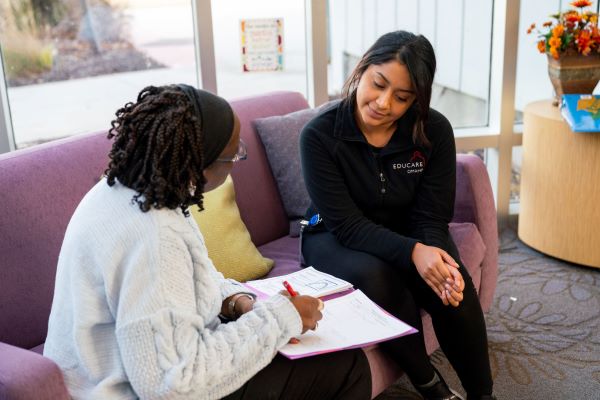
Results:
x,y
257,196
41,187
227,239
280,137
286,252
26,374
470,247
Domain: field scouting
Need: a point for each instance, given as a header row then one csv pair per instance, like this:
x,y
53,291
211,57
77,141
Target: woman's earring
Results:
x,y
192,189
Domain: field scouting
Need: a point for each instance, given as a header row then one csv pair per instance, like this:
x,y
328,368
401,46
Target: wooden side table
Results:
x,y
560,187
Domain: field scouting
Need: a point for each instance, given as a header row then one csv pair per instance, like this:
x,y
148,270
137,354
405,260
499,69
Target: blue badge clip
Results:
x,y
314,220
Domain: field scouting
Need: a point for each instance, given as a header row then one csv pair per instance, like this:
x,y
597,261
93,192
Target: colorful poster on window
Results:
x,y
262,44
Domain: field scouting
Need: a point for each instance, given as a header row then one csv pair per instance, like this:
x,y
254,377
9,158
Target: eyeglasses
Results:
x,y
242,154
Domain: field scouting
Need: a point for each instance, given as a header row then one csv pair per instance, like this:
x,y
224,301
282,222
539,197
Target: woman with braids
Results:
x,y
379,167
139,310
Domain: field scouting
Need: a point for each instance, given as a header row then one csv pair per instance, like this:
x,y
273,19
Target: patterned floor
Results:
x,y
543,329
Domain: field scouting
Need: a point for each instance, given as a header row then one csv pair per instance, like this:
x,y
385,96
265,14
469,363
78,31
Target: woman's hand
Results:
x,y
309,309
439,270
454,287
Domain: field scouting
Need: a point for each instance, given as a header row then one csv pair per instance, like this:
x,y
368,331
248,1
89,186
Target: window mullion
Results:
x,y
204,45
7,141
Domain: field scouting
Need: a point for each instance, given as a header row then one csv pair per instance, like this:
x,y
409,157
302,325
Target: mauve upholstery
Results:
x,y
286,251
41,186
475,203
256,191
39,190
27,375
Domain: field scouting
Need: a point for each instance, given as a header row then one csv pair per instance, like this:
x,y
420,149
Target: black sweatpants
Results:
x,y
401,291
340,375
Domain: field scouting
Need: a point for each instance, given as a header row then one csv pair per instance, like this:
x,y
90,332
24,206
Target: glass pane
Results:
x,y
271,44
459,30
70,64
533,82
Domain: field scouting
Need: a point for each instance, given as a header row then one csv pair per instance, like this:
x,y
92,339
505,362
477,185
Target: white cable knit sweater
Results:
x,y
136,303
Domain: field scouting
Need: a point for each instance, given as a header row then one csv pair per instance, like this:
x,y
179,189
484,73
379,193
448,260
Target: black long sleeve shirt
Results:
x,y
380,201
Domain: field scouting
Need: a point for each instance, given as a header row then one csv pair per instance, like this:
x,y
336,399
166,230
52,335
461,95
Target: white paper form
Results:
x,y
349,321
307,281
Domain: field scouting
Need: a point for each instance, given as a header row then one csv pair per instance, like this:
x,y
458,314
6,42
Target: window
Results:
x,y
69,65
232,80
459,30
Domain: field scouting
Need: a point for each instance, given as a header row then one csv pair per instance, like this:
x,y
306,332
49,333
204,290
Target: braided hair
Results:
x,y
158,150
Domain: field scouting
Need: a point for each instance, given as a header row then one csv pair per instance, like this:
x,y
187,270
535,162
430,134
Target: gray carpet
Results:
x,y
543,329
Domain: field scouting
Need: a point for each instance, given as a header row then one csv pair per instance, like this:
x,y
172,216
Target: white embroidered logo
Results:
x,y
415,165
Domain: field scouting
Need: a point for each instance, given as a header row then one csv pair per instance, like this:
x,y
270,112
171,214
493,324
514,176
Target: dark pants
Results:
x,y
402,292
340,375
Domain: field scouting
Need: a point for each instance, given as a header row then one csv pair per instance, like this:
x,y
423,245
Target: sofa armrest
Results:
x,y
475,203
28,375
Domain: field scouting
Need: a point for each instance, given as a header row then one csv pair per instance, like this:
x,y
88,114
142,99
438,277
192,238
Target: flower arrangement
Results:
x,y
573,31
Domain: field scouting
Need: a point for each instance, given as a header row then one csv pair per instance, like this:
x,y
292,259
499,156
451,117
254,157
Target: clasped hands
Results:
x,y
439,270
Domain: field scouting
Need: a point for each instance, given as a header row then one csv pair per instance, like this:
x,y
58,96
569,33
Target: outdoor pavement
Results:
x,y
57,109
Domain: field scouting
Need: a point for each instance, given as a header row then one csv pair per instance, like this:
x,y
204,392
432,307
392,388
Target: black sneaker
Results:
x,y
438,391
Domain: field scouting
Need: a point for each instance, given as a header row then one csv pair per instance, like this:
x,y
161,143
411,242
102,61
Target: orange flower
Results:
x,y
554,42
558,30
581,3
574,30
541,45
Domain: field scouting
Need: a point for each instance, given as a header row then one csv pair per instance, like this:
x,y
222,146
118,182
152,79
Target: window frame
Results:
x,y
498,138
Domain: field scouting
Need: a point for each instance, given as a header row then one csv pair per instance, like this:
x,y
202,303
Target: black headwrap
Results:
x,y
216,120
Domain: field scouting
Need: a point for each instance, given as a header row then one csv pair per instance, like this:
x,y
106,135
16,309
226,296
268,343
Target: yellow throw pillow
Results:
x,y
226,236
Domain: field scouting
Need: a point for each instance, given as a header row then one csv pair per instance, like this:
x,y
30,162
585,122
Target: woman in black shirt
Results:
x,y
379,167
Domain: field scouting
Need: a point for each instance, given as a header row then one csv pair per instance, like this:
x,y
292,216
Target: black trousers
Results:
x,y
340,375
401,291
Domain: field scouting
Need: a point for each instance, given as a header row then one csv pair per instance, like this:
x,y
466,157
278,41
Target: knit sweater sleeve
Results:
x,y
171,343
227,286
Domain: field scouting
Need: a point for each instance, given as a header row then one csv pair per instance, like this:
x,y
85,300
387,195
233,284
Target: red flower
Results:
x,y
581,3
584,43
572,18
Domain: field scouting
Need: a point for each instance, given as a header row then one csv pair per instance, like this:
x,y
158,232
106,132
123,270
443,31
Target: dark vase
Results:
x,y
573,74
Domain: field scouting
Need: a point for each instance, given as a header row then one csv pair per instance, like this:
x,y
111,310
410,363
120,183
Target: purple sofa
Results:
x,y
41,186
